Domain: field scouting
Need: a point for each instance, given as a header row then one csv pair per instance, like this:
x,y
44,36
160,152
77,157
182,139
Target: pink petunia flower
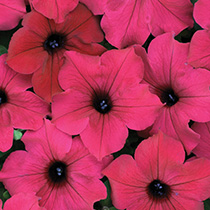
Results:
x,y
18,108
157,177
184,91
23,201
39,46
203,148
102,98
12,12
62,172
128,22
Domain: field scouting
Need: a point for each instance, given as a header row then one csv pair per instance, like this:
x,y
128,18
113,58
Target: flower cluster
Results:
x,y
104,104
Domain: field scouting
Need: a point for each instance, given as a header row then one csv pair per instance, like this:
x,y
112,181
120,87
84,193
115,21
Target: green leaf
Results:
x,y
6,195
113,208
17,134
207,204
193,1
107,202
2,50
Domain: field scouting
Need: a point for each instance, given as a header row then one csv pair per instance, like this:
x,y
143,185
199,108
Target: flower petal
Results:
x,y
83,24
11,13
6,136
104,134
45,79
201,13
127,188
156,154
58,8
48,137
26,46
73,108
122,22
27,110
203,148
199,53
176,126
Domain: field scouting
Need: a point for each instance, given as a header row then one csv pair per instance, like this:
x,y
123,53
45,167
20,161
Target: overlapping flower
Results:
x,y
81,78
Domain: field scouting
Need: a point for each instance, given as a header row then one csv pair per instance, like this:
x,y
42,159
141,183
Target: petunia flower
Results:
x,y
12,12
60,171
23,201
184,91
39,46
157,177
103,98
203,148
19,108
128,22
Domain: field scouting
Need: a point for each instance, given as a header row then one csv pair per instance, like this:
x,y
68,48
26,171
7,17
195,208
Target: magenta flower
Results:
x,y
23,201
157,177
128,22
12,12
102,98
18,108
184,91
203,148
63,175
39,46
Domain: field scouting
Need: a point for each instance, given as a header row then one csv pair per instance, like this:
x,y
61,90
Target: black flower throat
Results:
x,y
169,97
54,42
57,172
157,190
102,102
3,97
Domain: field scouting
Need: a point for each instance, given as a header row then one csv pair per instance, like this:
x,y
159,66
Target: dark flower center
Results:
x,y
102,102
158,190
57,172
3,97
53,43
169,97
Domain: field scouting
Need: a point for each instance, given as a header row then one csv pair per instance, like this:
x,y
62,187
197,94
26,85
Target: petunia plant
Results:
x,y
104,105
